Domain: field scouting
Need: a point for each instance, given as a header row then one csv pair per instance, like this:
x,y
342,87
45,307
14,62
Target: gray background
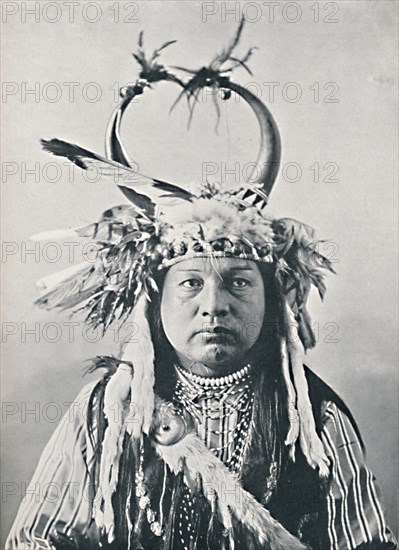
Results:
x,y
356,325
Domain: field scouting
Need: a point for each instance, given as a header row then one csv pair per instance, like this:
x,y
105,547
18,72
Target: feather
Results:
x,y
113,224
53,280
242,62
224,56
173,190
150,70
123,176
84,158
168,43
55,235
80,297
72,290
108,362
297,248
142,202
211,76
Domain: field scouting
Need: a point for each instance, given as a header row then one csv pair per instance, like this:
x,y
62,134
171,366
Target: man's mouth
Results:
x,y
216,329
217,334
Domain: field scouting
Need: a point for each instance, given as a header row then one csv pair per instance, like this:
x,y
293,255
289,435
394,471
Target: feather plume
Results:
x,y
299,266
50,282
151,70
212,75
71,290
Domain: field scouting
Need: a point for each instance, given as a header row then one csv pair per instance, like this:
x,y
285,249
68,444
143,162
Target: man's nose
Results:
x,y
214,300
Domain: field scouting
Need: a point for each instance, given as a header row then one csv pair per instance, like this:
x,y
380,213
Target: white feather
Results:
x,y
51,281
55,235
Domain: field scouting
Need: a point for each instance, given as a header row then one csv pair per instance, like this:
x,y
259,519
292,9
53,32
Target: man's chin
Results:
x,y
216,355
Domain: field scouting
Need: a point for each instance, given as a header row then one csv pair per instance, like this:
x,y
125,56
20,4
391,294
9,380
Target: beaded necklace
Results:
x,y
221,409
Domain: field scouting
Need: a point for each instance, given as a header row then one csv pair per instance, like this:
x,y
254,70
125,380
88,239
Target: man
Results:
x,y
208,432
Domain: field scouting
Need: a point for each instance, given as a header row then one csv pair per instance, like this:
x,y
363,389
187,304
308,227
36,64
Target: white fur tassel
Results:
x,y
293,432
218,480
115,411
140,352
133,418
310,442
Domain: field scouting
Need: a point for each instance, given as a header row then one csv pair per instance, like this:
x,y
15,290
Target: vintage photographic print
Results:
x,y
199,267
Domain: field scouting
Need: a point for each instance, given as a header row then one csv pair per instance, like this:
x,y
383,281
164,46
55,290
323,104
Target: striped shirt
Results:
x,y
60,495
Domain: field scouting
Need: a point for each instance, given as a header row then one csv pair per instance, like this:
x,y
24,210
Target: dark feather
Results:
x,y
71,151
300,265
150,69
226,53
87,159
144,203
212,75
189,71
169,43
173,190
108,362
242,63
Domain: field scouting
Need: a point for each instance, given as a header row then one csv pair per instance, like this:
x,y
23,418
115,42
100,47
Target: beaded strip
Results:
x,y
144,499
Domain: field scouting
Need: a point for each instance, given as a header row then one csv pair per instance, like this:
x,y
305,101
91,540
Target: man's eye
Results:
x,y
240,283
192,284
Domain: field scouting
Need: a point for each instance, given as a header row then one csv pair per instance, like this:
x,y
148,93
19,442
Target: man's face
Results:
x,y
212,311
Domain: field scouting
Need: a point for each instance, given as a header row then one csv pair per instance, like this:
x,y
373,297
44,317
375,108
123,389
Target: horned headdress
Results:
x,y
164,224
